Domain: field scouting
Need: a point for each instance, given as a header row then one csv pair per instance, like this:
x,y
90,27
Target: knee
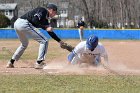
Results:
x,y
44,42
24,45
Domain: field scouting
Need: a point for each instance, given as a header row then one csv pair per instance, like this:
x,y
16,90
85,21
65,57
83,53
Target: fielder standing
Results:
x,y
81,25
89,51
27,25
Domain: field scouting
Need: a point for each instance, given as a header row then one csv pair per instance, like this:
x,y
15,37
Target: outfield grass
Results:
x,y
68,84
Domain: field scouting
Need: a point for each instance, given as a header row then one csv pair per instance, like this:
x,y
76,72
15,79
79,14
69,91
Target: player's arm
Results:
x,y
105,56
73,57
106,59
63,45
52,34
39,17
46,27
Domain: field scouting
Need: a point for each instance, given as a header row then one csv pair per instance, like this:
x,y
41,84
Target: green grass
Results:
x,y
68,84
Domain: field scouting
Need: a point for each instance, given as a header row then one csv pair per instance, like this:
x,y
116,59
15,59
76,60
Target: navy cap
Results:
x,y
52,6
92,42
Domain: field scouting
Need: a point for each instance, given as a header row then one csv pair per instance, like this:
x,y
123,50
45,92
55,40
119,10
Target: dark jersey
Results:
x,y
80,23
37,17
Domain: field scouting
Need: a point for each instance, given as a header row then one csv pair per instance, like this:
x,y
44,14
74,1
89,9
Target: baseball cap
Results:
x,y
52,6
92,42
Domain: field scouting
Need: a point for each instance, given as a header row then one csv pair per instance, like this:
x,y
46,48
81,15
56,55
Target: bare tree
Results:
x,y
124,12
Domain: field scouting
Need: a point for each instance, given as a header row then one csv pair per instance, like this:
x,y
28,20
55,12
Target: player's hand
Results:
x,y
61,42
49,29
66,46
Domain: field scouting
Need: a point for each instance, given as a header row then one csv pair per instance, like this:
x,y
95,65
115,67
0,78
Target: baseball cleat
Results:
x,y
39,66
9,65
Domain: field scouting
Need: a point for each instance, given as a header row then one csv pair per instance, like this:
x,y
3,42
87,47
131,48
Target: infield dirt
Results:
x,y
123,57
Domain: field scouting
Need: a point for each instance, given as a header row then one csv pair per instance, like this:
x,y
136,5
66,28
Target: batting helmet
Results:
x,y
52,6
92,42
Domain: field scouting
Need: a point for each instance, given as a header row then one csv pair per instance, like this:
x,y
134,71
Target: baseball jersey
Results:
x,y
80,23
38,17
87,55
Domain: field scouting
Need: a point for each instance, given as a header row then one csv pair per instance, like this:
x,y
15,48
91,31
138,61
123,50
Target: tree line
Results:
x,y
115,13
99,13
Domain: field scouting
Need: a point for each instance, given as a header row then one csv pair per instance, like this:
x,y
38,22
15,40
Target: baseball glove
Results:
x,y
67,47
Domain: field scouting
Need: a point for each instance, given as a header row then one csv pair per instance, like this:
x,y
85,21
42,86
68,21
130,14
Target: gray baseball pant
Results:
x,y
25,29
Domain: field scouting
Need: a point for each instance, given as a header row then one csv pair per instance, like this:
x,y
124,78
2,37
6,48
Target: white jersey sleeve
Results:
x,y
77,51
103,52
80,47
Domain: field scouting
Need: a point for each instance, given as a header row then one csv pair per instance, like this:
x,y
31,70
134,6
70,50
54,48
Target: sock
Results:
x,y
39,61
12,61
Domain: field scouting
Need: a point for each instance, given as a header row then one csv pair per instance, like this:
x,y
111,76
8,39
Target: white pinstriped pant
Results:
x,y
24,29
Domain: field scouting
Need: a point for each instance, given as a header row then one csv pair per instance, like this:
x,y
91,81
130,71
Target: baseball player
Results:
x,y
26,26
89,51
80,26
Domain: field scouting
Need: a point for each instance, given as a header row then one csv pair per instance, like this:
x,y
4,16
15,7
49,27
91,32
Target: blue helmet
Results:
x,y
92,42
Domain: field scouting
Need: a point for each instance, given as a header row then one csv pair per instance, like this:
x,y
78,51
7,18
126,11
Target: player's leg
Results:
x,y
81,34
39,37
19,27
24,43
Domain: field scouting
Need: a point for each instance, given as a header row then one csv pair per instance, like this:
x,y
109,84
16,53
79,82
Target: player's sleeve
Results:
x,y
73,56
54,36
80,47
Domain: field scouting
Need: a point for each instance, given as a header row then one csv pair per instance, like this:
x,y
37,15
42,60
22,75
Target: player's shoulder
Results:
x,y
99,49
100,45
81,44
